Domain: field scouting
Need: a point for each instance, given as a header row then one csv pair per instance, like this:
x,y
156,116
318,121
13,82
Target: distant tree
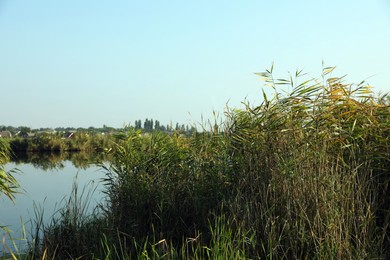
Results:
x,y
25,129
107,128
146,124
138,124
157,125
193,129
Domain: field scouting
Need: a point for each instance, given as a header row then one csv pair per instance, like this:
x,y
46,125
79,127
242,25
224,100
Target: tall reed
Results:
x,y
8,184
314,170
302,175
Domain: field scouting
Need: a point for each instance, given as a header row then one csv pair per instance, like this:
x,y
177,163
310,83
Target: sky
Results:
x,y
89,63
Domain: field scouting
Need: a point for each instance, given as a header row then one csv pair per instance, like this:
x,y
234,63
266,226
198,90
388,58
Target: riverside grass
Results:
x,y
305,175
8,184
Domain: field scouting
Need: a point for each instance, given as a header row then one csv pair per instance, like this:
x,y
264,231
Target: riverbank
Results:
x,y
56,143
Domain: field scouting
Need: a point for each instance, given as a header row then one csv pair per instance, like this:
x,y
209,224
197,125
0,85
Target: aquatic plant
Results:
x,y
8,184
304,174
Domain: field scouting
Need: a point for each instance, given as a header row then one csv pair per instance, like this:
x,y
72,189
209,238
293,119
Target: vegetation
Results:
x,y
24,140
57,143
8,183
305,175
148,125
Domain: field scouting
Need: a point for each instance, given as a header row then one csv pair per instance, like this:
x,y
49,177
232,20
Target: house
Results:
x,y
69,134
5,134
24,134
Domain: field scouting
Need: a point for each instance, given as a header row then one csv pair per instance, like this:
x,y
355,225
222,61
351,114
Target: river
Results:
x,y
44,189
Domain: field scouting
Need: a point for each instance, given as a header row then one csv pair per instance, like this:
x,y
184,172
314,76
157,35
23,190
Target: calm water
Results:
x,y
46,188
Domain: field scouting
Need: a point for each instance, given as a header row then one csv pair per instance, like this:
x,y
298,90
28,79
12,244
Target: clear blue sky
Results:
x,y
88,63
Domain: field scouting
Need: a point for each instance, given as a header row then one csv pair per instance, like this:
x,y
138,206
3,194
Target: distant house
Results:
x,y
46,132
69,135
5,134
24,134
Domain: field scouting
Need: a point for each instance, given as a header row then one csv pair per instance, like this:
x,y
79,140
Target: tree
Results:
x,y
146,123
157,125
138,124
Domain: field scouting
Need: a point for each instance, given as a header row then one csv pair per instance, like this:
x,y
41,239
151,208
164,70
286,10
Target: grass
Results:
x,y
302,175
8,184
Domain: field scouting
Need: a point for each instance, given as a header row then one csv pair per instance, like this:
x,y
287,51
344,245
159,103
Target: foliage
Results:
x,y
302,175
314,169
167,183
72,229
8,184
55,143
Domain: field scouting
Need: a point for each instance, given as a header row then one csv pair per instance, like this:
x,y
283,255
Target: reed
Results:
x,y
8,184
314,169
304,174
72,231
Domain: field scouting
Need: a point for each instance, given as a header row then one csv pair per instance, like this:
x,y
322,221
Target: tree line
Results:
x,y
148,125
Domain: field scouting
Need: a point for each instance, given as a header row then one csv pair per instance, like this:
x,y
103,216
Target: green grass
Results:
x,y
302,175
8,184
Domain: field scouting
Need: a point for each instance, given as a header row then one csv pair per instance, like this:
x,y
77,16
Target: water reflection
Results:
x,y
55,161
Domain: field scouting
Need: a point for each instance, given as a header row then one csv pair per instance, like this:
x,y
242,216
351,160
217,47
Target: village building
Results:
x,y
5,134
